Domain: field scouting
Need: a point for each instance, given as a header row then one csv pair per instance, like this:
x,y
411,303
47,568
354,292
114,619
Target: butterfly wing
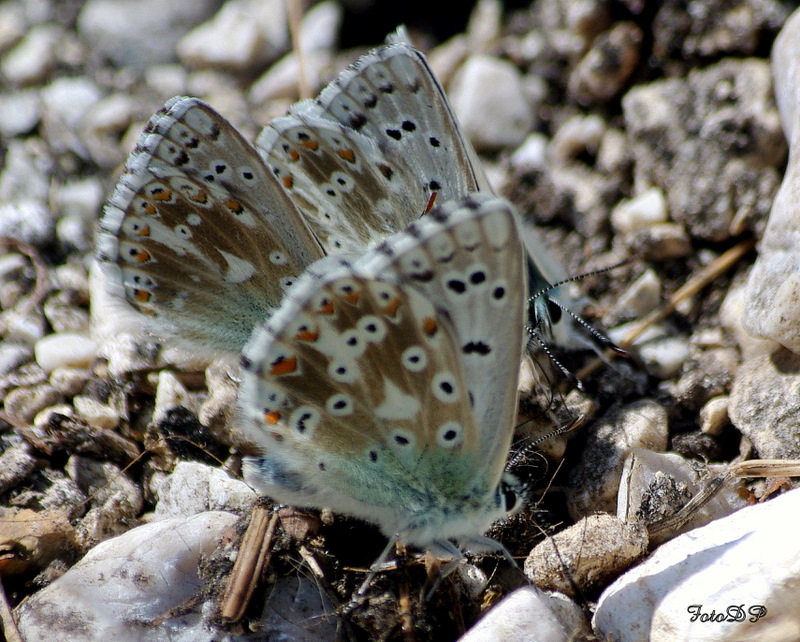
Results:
x,y
467,258
363,159
352,194
359,393
392,96
344,388
198,229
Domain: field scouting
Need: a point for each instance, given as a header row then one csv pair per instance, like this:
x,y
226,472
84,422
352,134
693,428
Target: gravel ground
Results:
x,y
648,130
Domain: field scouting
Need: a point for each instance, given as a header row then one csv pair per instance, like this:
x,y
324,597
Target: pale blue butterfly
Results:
x,y
386,388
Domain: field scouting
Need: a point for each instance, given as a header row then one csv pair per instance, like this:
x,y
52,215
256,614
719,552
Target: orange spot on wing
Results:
x,y
392,307
429,326
272,417
142,256
283,365
161,194
288,182
234,206
352,297
150,209
347,154
310,144
145,231
307,335
294,156
142,296
200,197
327,307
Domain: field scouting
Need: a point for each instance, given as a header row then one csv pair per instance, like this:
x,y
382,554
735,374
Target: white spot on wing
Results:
x,y
239,270
396,403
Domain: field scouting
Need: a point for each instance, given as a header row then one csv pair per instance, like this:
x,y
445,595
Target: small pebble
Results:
x,y
493,119
648,208
64,349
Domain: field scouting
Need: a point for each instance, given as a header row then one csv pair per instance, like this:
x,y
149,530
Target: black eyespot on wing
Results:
x,y
457,286
476,347
478,277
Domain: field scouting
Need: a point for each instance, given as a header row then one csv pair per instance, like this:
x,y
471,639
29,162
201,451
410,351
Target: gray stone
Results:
x,y
127,32
711,142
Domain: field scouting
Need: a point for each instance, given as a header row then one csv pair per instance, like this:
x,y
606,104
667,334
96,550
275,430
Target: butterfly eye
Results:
x,y
554,311
444,387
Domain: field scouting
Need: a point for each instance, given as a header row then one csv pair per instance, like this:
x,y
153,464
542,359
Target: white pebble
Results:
x,y
488,96
714,415
125,584
95,413
19,112
639,298
244,34
532,154
748,560
577,135
194,487
648,208
64,349
530,614
33,58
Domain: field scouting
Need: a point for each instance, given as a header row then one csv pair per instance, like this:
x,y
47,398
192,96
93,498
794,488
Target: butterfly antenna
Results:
x,y
537,338
523,452
599,336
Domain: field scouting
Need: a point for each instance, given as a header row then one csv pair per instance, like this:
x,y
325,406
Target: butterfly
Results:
x,y
385,388
204,234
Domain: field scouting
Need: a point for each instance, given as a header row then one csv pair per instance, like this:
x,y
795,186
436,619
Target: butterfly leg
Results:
x,y
374,569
